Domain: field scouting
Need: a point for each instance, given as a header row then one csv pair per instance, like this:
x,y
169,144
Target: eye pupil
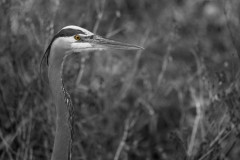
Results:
x,y
77,37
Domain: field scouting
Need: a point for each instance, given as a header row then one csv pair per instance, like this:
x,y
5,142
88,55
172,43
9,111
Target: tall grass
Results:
x,y
177,99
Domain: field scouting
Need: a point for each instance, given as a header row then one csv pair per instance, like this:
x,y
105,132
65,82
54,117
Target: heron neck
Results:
x,y
63,134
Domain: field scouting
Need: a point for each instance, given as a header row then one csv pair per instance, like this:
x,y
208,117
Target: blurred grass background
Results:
x,y
177,99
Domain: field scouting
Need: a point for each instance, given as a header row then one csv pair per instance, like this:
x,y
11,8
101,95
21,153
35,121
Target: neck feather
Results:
x,y
63,140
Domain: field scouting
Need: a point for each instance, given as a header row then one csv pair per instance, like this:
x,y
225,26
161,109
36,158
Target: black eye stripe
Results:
x,y
69,33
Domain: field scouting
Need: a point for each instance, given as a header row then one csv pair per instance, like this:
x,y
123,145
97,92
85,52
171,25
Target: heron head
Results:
x,y
77,39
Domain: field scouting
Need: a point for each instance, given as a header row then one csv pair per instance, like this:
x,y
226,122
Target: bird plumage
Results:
x,y
68,40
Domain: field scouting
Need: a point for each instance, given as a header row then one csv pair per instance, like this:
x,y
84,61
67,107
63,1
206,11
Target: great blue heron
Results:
x,y
68,40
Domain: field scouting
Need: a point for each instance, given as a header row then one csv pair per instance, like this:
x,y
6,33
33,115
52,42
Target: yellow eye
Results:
x,y
77,37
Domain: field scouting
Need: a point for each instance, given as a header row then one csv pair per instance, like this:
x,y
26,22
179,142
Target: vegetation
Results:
x,y
177,99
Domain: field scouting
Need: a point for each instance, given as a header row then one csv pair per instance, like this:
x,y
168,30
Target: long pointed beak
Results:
x,y
105,43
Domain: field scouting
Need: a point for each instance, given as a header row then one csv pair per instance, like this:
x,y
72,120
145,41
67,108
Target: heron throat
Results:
x,y
63,142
